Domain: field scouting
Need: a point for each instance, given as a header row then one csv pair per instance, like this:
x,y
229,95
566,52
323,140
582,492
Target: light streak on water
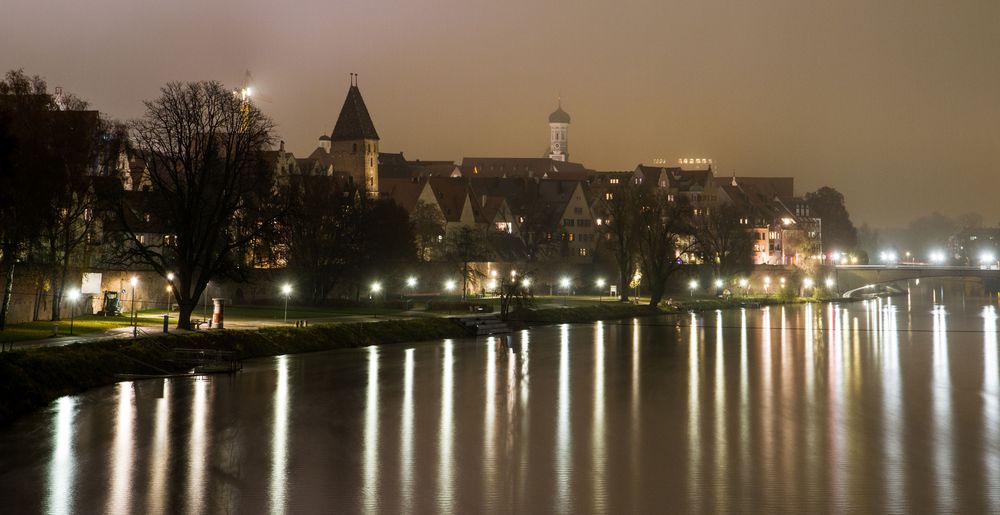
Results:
x,y
279,440
120,498
406,463
991,407
694,443
446,437
942,413
489,421
370,443
564,443
62,466
721,445
159,460
198,445
599,466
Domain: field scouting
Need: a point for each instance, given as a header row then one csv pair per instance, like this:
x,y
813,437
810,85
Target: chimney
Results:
x,y
281,148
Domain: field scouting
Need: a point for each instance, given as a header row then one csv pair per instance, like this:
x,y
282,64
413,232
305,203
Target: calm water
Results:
x,y
883,406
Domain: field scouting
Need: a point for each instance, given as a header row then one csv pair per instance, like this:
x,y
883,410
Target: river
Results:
x,y
889,405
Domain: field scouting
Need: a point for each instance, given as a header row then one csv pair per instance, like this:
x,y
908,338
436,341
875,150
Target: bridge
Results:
x,y
853,278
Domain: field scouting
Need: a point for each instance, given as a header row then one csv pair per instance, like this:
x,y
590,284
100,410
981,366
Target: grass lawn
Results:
x,y
85,324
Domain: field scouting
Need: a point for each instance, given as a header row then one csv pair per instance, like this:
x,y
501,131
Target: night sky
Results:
x,y
895,103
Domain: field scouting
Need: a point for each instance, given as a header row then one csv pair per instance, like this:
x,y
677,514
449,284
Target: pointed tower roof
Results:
x,y
354,122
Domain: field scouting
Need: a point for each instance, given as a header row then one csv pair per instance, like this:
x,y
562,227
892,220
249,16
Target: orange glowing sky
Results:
x,y
896,103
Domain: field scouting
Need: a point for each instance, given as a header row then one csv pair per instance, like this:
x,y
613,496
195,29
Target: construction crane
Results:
x,y
245,93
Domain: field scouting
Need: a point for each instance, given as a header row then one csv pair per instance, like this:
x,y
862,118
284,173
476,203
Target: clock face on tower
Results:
x,y
555,146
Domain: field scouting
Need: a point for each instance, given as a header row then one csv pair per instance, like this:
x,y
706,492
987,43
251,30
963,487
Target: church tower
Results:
x,y
354,142
559,134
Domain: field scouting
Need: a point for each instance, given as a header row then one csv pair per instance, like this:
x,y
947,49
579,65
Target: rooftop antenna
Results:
x,y
734,178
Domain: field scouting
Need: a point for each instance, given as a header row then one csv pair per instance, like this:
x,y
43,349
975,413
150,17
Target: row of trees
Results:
x,y
647,231
49,149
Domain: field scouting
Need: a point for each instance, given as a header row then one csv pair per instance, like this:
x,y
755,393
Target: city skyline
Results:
x,y
864,98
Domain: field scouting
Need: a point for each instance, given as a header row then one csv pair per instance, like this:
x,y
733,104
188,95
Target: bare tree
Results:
x,y
211,191
622,229
662,230
723,242
464,246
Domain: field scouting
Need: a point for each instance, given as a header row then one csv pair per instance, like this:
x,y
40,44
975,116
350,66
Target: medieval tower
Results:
x,y
354,142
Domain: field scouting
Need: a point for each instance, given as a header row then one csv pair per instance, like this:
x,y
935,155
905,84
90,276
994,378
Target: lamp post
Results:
x,y
767,284
170,292
565,283
745,284
693,285
135,327
807,284
376,288
411,283
449,286
600,289
74,296
719,283
286,290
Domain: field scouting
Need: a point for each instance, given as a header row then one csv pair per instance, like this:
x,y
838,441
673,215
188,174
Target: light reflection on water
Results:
x,y
279,441
991,406
62,466
119,500
881,406
563,458
446,466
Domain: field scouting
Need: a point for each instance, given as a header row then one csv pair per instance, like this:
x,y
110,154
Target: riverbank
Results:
x,y
30,379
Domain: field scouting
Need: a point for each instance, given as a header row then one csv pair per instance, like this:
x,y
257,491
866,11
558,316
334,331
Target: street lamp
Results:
x,y
286,290
807,283
74,295
693,285
565,283
600,289
170,291
411,283
745,284
135,329
376,288
449,285
767,284
718,285
526,282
